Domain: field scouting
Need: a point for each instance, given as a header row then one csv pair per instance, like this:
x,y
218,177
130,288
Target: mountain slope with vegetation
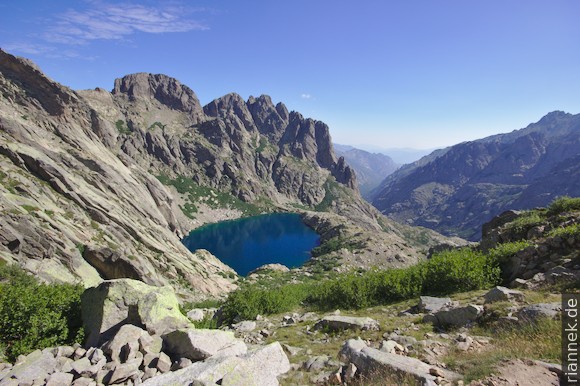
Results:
x,y
102,185
455,190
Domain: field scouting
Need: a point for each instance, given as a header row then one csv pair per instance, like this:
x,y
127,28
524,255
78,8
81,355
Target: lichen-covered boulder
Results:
x,y
114,303
202,344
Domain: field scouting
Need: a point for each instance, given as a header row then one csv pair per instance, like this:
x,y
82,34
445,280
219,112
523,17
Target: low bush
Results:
x,y
35,316
563,204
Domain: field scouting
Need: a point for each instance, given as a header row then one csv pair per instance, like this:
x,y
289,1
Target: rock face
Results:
x,y
457,189
80,186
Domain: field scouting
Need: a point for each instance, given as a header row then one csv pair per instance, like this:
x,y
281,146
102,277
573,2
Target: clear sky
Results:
x,y
387,73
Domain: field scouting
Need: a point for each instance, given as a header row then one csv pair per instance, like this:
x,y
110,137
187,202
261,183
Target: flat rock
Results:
x,y
255,368
339,322
499,294
457,317
430,304
535,311
198,344
369,360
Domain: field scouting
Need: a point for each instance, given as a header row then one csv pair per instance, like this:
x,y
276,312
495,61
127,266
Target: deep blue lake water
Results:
x,y
248,243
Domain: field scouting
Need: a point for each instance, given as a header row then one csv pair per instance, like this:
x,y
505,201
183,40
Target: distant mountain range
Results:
x,y
370,168
456,189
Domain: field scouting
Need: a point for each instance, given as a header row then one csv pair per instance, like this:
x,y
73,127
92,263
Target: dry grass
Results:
x,y
540,340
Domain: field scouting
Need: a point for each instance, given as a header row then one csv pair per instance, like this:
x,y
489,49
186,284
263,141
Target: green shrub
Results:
x,y
570,230
460,270
525,222
563,204
251,300
35,316
122,128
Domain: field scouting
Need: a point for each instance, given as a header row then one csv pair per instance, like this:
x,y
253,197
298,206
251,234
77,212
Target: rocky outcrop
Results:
x,y
113,303
460,188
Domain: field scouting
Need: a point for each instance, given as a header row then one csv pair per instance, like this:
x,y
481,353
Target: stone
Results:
x,y
34,367
65,351
316,363
535,311
84,382
500,294
390,346
118,302
369,360
259,367
181,364
197,344
59,379
350,371
95,355
150,344
79,353
291,350
124,371
163,363
245,326
84,368
457,317
339,323
196,314
430,304
125,344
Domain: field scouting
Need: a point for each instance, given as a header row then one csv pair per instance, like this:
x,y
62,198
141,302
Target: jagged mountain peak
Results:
x,y
165,89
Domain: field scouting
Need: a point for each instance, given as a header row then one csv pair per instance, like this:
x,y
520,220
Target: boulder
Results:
x,y
339,323
540,310
259,367
457,317
245,326
501,294
430,304
114,303
125,344
369,360
201,344
59,379
33,368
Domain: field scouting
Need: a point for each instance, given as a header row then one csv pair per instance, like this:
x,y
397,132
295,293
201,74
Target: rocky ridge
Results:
x,y
457,189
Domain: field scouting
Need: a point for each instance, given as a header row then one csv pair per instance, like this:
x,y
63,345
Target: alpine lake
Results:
x,y
248,243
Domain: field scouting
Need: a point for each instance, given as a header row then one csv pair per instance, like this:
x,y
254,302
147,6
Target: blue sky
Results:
x,y
412,73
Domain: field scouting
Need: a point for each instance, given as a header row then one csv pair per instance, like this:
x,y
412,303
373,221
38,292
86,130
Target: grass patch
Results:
x,y
525,222
262,145
30,208
122,128
540,340
156,124
336,244
570,230
214,198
